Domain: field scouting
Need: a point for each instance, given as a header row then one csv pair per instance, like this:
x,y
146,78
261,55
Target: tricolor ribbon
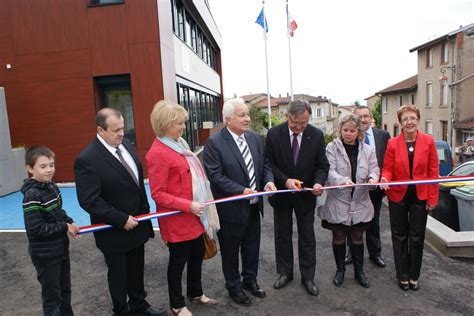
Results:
x,y
149,216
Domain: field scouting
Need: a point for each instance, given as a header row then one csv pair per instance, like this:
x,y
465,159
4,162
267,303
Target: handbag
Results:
x,y
210,247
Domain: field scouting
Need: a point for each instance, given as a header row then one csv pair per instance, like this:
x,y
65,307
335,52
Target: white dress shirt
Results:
x,y
125,154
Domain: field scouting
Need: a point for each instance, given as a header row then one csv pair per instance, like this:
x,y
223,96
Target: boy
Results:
x,y
47,227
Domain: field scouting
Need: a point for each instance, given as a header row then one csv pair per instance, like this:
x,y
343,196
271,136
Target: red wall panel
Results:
x,y
108,40
6,42
3,9
142,17
59,114
48,26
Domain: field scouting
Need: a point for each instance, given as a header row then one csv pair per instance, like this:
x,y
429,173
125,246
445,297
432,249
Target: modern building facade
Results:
x,y
61,61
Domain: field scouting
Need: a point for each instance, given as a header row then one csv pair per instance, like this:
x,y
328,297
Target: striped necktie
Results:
x,y
244,149
126,166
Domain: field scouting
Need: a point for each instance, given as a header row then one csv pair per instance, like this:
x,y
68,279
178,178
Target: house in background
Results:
x,y
401,93
446,85
62,61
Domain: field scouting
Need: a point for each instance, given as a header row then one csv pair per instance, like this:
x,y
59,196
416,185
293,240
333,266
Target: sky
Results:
x,y
344,50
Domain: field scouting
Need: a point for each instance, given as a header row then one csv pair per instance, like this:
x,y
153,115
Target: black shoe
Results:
x,y
414,286
254,289
348,259
404,286
240,298
154,311
338,278
378,261
282,281
310,287
362,279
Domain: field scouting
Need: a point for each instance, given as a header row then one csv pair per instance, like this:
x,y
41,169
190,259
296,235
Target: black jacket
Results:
x,y
45,222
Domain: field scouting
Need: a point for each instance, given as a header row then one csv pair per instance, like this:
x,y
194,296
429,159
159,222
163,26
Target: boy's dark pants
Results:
x,y
55,280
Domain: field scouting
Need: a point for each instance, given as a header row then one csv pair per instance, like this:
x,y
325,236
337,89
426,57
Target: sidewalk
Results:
x,y
446,285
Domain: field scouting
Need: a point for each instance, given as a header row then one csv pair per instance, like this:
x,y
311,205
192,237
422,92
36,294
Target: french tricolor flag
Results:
x,y
292,26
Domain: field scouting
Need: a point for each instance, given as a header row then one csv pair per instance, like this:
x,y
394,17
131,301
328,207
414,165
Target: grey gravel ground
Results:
x,y
446,285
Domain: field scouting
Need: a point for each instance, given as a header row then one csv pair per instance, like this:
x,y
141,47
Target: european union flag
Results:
x,y
262,21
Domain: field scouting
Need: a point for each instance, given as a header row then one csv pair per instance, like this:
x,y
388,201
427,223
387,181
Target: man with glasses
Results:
x,y
298,155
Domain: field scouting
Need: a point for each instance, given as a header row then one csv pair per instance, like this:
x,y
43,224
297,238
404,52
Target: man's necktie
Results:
x,y
367,141
295,147
244,149
126,166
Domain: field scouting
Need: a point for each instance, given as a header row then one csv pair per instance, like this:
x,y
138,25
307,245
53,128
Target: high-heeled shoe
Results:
x,y
414,286
202,300
404,286
181,311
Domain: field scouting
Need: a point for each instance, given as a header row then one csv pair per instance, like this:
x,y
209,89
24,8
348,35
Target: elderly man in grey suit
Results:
x,y
235,163
377,139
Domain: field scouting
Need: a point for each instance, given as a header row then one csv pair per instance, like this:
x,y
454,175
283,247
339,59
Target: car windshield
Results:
x,y
464,170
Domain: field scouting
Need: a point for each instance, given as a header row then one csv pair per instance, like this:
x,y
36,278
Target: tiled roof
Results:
x,y
466,29
306,97
251,97
404,85
274,102
465,124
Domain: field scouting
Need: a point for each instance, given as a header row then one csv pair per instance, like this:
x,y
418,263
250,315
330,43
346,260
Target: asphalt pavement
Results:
x,y
446,284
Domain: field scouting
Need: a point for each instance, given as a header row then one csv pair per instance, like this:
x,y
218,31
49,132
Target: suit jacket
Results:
x,y
172,189
109,194
381,138
312,166
228,175
425,166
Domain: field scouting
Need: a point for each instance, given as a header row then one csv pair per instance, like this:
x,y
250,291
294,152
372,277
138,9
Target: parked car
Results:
x,y
447,210
445,158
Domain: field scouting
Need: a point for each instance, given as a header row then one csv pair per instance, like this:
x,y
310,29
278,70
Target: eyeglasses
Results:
x,y
297,123
409,118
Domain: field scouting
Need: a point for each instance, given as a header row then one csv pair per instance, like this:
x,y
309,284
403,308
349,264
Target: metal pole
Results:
x,y
289,49
266,67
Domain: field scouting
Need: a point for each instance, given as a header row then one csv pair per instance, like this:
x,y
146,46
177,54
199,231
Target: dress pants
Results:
x,y
245,237
283,222
125,276
55,280
188,252
408,222
372,234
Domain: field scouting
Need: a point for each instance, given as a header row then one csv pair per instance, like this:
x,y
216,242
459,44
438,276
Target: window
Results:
x,y
429,127
412,99
444,93
444,130
385,105
400,100
319,113
444,53
385,127
395,130
187,28
104,2
116,92
429,93
429,58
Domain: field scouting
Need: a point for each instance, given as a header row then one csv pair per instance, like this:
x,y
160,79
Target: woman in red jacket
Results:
x,y
178,182
411,155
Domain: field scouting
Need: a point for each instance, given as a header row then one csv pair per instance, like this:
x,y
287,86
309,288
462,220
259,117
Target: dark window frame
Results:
x,y
97,3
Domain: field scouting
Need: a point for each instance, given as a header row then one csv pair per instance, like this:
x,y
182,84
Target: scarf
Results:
x,y
200,184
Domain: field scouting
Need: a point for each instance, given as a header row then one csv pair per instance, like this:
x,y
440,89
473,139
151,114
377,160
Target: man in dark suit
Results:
x,y
109,184
297,152
235,163
377,139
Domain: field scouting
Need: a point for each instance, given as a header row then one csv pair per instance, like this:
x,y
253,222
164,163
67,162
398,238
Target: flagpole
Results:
x,y
289,50
266,67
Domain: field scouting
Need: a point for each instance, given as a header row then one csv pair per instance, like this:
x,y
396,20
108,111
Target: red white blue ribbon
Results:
x,y
146,217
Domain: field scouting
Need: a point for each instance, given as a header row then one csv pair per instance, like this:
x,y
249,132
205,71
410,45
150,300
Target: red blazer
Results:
x,y
425,166
171,188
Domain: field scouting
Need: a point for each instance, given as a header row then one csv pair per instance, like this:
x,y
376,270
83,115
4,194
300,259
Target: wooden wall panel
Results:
x,y
59,114
3,9
48,26
6,42
142,18
108,40
147,88
7,75
54,66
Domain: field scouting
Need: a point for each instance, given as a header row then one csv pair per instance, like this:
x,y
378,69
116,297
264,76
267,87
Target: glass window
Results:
x,y
429,127
199,43
412,99
444,93
429,93
193,37
400,100
180,9
385,105
444,53
104,2
116,92
187,34
429,58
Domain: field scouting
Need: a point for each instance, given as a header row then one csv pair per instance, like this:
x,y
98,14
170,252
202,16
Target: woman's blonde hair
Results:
x,y
164,114
350,118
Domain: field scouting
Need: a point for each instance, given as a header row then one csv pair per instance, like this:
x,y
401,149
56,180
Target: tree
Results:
x,y
257,119
356,103
376,112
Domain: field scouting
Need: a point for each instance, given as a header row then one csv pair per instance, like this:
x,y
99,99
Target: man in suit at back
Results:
x,y
109,184
297,152
235,163
377,139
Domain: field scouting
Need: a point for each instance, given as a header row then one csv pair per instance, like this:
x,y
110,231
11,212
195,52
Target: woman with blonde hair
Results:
x,y
348,210
178,182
